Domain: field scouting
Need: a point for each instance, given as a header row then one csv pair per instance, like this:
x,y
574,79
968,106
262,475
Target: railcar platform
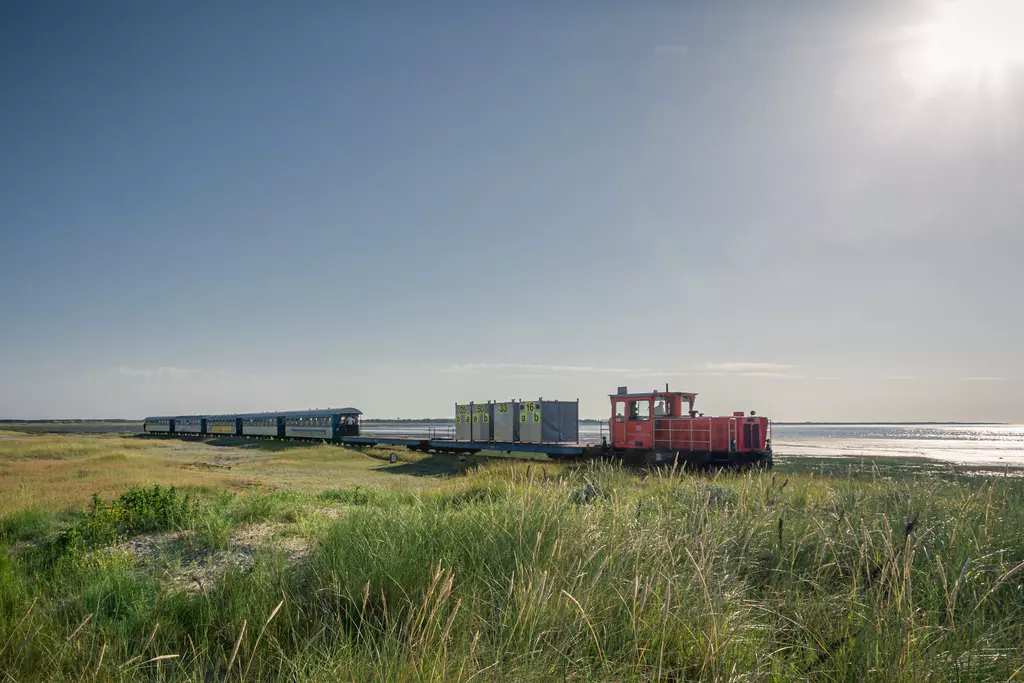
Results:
x,y
568,450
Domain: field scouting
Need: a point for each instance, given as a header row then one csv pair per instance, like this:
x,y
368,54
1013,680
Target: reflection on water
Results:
x,y
960,444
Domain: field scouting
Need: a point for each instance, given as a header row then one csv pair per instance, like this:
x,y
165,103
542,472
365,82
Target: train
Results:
x,y
651,427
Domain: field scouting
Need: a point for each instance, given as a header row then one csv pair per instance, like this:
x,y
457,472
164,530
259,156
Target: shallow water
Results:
x,y
957,444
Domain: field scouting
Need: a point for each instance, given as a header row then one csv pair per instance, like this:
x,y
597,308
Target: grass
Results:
x,y
520,571
53,472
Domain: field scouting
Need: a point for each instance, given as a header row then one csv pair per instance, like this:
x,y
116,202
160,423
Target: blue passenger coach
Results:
x,y
224,425
321,424
190,424
262,424
163,425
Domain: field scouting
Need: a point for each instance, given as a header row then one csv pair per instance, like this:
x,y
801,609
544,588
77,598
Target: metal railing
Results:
x,y
444,432
682,434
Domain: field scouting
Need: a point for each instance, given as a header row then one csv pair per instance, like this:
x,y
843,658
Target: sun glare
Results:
x,y
968,43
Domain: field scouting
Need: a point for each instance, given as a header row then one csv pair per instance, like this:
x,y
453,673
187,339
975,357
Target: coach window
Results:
x,y
620,411
640,410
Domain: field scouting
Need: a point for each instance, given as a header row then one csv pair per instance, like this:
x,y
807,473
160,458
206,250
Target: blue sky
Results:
x,y
813,209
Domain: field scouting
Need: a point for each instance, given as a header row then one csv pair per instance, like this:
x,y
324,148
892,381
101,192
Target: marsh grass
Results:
x,y
53,472
26,524
513,571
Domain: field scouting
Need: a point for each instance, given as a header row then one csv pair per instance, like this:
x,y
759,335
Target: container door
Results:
x,y
463,425
504,425
530,422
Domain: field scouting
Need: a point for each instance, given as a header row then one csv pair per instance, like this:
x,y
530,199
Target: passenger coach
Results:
x,y
224,425
262,424
158,425
321,424
189,424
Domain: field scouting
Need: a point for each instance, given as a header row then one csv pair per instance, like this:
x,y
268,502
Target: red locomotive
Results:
x,y
662,426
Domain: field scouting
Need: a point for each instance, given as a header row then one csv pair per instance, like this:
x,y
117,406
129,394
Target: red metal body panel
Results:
x,y
666,421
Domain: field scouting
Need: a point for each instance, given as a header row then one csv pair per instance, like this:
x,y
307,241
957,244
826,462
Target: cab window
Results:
x,y
640,409
620,411
661,407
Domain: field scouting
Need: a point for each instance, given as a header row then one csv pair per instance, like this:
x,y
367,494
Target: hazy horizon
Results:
x,y
811,209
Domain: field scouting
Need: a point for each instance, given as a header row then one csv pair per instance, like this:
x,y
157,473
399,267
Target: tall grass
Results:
x,y
597,573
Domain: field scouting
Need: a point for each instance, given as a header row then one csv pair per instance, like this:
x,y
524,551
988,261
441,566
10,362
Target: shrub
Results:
x,y
135,511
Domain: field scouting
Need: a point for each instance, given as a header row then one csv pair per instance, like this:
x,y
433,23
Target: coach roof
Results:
x,y
304,413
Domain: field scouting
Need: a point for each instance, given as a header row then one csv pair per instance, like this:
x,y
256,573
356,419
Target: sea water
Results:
x,y
958,444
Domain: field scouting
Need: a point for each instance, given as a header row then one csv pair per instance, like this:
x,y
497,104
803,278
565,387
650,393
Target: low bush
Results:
x,y
137,510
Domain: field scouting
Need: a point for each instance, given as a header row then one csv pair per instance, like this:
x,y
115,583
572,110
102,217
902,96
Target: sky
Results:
x,y
809,208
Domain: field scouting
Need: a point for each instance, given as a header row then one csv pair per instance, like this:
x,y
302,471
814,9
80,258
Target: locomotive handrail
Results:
x,y
693,437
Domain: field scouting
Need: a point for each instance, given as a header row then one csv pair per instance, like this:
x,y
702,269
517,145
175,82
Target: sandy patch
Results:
x,y
199,567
